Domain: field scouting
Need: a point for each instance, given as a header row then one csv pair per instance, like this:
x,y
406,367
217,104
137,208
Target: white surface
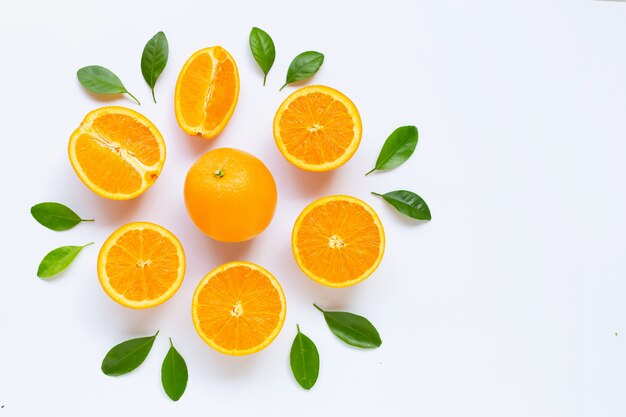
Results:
x,y
506,304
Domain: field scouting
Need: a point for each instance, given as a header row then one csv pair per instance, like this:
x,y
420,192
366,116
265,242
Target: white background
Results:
x,y
511,302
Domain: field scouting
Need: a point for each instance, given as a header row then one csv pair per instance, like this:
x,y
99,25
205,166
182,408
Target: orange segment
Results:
x,y
338,241
141,265
238,308
207,91
116,152
317,128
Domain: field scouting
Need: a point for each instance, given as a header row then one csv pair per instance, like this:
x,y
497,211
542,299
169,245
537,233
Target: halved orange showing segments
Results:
x,y
338,241
238,308
141,265
207,91
116,152
317,128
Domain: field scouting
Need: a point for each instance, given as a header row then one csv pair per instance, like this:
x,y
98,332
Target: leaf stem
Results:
x,y
153,97
319,308
264,79
171,344
373,169
134,98
156,334
376,194
281,88
298,327
91,243
87,220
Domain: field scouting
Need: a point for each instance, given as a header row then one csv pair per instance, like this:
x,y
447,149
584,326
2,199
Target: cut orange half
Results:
x,y
338,241
238,308
141,265
207,91
116,152
317,128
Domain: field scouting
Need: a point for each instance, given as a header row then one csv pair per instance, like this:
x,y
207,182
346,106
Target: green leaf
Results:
x,y
154,59
127,356
305,360
352,329
56,216
398,147
407,203
174,374
57,260
100,80
263,50
303,66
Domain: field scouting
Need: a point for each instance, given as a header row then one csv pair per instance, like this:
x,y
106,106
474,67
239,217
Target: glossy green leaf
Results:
x,y
56,216
305,360
154,59
174,374
407,203
57,260
303,66
263,50
352,329
398,147
127,356
100,80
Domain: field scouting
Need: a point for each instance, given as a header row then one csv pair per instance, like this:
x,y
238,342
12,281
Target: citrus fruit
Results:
x,y
317,128
206,92
338,241
230,195
141,265
116,152
238,308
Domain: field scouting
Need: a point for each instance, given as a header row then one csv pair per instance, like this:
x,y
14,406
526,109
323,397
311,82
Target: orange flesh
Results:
x,y
207,91
338,241
238,308
316,128
142,265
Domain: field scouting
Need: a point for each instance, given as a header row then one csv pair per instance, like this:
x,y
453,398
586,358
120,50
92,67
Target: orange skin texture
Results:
x,y
237,206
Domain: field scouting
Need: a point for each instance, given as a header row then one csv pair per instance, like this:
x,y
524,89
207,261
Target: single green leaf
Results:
x,y
352,329
303,66
127,356
56,216
154,59
174,374
305,360
263,50
398,147
57,260
100,80
407,203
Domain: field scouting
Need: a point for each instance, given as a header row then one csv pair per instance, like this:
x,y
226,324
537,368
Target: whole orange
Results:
x,y
230,195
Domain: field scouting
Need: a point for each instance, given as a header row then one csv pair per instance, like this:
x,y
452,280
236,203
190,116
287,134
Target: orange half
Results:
x,y
317,128
141,265
338,241
207,91
238,308
116,152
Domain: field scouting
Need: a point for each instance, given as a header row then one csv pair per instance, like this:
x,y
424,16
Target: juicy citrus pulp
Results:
x,y
238,308
141,265
230,195
317,128
117,152
338,241
207,91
